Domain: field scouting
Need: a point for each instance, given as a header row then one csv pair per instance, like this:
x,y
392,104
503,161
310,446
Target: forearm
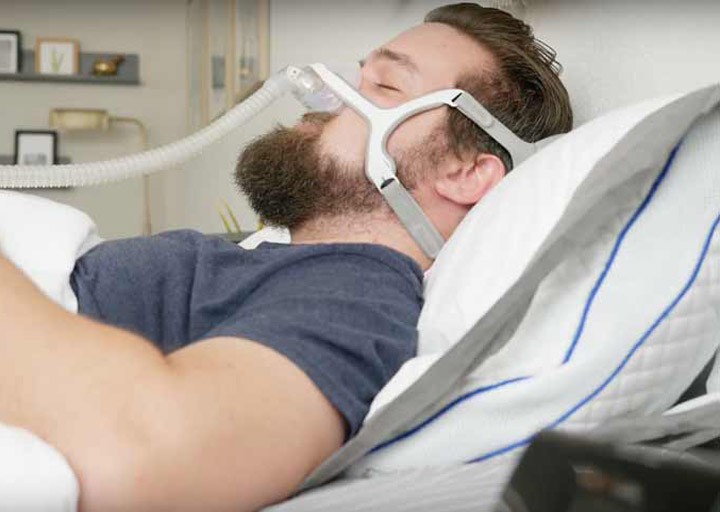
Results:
x,y
85,387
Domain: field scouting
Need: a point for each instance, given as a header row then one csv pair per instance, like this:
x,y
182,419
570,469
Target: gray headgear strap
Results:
x,y
380,167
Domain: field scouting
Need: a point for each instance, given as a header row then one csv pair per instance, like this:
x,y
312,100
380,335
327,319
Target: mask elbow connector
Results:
x,y
313,92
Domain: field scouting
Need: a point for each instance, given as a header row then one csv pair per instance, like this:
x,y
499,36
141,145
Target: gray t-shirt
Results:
x,y
346,314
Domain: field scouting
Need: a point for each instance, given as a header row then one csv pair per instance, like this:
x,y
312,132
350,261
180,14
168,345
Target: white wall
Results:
x,y
153,29
617,52
302,31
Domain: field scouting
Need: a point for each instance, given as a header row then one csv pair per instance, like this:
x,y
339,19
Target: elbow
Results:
x,y
162,477
164,466
124,457
116,473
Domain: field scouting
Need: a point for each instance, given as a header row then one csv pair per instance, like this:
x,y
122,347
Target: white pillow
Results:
x,y
43,238
34,475
647,326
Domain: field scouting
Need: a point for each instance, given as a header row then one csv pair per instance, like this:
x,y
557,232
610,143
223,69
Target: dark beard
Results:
x,y
289,183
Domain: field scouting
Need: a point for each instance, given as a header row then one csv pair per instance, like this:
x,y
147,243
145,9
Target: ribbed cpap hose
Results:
x,y
163,157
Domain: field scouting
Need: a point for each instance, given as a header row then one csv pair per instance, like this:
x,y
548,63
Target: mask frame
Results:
x,y
380,167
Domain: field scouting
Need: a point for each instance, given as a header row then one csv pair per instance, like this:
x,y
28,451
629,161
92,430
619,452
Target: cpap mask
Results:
x,y
330,91
319,89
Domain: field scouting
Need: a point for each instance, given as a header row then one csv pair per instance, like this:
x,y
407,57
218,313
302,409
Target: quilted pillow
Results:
x,y
620,326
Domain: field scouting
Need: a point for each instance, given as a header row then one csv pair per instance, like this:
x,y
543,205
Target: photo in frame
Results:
x,y
36,147
57,55
10,51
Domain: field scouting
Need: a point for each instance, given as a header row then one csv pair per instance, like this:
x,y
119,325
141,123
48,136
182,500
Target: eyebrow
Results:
x,y
402,59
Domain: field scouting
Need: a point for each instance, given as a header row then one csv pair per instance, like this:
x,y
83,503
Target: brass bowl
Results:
x,y
107,67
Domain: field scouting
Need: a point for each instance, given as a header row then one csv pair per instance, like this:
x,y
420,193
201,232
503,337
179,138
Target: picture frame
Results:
x,y
36,147
10,51
57,55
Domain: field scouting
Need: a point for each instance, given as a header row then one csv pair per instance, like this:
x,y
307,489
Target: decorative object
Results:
x,y
128,72
107,67
79,119
231,214
57,55
35,147
10,51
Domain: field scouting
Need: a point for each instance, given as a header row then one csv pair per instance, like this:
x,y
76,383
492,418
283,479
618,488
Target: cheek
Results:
x,y
415,130
345,137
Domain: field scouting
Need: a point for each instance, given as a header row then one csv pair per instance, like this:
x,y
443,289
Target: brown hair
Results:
x,y
523,92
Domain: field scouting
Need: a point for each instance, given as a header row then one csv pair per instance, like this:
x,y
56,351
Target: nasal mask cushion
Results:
x,y
318,88
315,95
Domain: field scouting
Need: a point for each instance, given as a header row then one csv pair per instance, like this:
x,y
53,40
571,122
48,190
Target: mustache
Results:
x,y
321,118
315,121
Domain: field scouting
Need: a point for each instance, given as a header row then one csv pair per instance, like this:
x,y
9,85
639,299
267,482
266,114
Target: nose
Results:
x,y
345,137
352,123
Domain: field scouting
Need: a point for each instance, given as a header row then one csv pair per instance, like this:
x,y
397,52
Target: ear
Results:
x,y
470,180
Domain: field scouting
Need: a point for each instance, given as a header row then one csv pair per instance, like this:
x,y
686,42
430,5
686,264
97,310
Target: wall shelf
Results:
x,y
128,71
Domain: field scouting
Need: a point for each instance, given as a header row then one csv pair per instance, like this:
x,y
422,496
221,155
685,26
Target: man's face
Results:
x,y
424,59
316,168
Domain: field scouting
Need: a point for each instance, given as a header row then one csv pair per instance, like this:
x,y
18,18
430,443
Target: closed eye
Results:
x,y
362,63
388,87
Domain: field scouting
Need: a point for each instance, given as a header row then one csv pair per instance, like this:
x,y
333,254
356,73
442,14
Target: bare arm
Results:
x,y
221,424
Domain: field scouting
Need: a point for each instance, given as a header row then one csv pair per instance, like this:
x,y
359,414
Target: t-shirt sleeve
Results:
x,y
348,321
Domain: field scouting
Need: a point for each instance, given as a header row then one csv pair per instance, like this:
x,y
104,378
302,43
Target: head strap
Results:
x,y
380,167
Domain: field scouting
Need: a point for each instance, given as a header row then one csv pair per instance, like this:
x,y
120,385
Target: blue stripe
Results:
x,y
614,252
445,409
635,347
578,332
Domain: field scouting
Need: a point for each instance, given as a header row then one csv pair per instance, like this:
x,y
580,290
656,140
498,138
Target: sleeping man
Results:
x,y
202,376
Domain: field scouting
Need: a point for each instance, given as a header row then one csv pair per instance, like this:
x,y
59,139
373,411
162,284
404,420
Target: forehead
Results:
x,y
441,54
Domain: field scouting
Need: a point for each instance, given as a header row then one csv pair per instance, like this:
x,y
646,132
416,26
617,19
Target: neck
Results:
x,y
376,228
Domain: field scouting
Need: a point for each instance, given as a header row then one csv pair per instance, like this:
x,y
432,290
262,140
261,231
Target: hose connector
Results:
x,y
310,90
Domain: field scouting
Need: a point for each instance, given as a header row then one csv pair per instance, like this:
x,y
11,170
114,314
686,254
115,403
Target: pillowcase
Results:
x,y
266,234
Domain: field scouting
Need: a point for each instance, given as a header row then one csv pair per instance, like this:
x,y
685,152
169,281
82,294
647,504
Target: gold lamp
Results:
x,y
89,119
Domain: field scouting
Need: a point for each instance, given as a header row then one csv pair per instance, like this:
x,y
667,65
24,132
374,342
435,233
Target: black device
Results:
x,y
569,473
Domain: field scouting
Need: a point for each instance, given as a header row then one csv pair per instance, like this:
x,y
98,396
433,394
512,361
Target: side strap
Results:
x,y
412,217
